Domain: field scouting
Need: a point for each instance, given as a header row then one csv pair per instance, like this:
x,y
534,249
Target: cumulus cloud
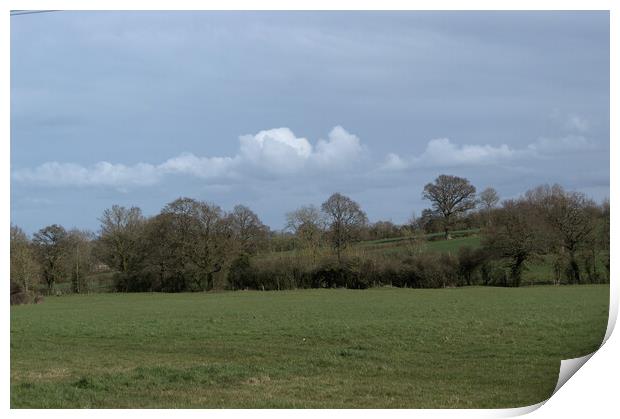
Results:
x,y
341,149
442,152
279,152
394,162
276,151
200,167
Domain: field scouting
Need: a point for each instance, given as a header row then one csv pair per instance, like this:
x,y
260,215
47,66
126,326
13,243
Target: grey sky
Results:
x,y
138,108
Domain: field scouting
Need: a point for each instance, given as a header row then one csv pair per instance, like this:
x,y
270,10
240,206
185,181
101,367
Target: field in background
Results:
x,y
539,271
463,347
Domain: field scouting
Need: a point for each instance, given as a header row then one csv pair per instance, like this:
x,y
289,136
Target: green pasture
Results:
x,y
465,347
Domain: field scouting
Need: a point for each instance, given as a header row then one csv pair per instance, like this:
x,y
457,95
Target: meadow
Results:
x,y
327,348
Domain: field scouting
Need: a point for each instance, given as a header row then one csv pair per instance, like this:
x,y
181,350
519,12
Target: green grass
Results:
x,y
457,233
453,245
465,347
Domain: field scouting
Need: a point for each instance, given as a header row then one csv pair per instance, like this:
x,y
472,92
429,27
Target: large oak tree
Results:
x,y
450,196
345,218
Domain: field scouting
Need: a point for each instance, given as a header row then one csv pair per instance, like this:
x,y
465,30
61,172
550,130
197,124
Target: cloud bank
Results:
x,y
443,153
279,153
273,152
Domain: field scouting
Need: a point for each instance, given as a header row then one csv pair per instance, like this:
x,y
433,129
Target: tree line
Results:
x,y
192,245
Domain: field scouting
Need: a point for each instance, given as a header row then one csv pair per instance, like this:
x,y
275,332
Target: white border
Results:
x,y
594,389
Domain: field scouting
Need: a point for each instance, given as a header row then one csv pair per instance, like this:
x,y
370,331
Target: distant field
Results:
x,y
538,271
464,347
401,246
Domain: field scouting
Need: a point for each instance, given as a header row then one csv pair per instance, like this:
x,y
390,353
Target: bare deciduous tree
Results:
x,y
346,218
120,231
308,225
603,238
215,242
450,195
248,230
515,236
569,218
78,257
24,268
181,239
488,200
50,243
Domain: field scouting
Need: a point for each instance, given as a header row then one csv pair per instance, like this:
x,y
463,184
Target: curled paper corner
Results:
x,y
568,367
517,411
611,322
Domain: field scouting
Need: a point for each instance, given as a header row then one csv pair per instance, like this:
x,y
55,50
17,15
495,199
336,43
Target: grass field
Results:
x,y
464,347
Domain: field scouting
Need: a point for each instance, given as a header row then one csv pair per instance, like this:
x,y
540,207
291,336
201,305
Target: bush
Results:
x,y
493,272
21,296
351,273
137,282
469,261
239,272
274,273
432,270
298,270
588,261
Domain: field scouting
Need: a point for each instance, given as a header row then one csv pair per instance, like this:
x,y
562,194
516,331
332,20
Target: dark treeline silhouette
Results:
x,y
193,245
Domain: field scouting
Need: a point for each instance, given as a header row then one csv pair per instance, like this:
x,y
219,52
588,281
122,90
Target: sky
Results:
x,y
276,110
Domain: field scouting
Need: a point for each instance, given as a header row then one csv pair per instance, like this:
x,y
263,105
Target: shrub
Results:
x,y
349,273
588,260
493,272
432,270
136,281
20,296
299,270
239,272
469,261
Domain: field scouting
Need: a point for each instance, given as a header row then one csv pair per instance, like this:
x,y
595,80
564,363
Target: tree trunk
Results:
x,y
594,274
446,226
574,266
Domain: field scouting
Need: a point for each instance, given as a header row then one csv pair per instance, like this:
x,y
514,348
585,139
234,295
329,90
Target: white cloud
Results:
x,y
201,167
101,174
274,151
394,162
569,143
442,152
280,152
340,150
